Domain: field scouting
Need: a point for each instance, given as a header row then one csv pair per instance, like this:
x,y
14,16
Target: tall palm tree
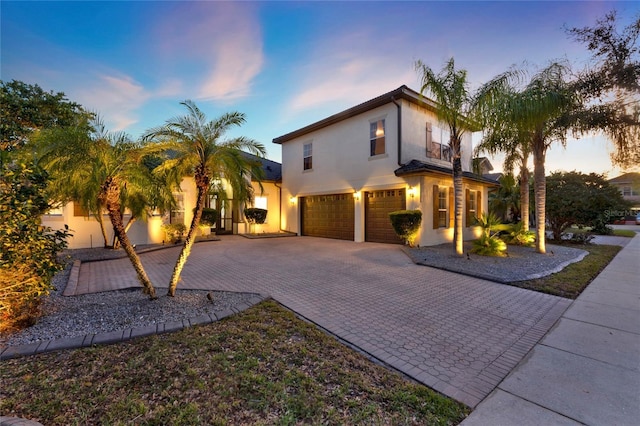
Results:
x,y
502,135
195,148
540,110
458,108
108,162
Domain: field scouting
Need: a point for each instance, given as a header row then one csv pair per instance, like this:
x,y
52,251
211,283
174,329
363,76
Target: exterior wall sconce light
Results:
x,y
412,191
356,195
292,200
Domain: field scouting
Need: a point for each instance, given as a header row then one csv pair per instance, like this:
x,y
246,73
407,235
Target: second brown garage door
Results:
x,y
329,216
378,205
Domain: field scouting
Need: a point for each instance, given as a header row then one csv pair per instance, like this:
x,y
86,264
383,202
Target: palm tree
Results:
x,y
142,201
195,148
532,119
502,135
505,202
107,163
458,108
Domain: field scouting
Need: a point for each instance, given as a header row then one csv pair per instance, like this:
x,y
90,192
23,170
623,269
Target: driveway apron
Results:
x,y
456,334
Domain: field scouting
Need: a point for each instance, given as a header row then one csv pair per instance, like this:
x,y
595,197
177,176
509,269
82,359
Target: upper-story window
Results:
x,y
377,137
307,156
437,146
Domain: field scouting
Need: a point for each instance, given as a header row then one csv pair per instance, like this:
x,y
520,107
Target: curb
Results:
x,y
9,352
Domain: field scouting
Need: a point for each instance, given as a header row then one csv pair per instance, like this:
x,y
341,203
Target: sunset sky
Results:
x,y
284,64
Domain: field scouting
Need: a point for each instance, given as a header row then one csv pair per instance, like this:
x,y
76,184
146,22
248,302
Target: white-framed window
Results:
x,y
377,137
443,212
438,143
177,213
307,156
473,203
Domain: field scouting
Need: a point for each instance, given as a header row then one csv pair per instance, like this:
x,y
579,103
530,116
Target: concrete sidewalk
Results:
x,y
586,370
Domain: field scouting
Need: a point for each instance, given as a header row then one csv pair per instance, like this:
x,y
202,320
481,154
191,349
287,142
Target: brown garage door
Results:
x,y
329,216
378,205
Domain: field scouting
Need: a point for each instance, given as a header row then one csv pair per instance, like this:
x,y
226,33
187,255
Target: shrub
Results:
x,y
28,259
518,236
406,224
209,217
174,231
489,244
600,227
255,215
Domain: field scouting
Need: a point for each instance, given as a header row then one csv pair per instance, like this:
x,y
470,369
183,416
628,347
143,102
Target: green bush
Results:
x,y
406,224
174,232
518,236
489,244
209,217
601,227
28,259
255,215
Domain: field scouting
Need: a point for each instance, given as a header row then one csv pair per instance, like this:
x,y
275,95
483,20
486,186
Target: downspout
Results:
x,y
275,183
393,99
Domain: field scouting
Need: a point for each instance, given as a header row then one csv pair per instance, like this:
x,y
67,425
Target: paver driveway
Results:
x,y
457,334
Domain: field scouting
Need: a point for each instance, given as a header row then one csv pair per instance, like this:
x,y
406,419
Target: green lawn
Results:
x,y
574,278
264,366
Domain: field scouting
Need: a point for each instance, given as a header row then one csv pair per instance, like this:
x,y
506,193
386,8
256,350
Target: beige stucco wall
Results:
x,y
86,230
272,224
414,136
342,164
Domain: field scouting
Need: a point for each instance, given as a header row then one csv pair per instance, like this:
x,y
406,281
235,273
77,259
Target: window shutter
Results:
x,y
467,203
452,208
479,203
436,203
429,140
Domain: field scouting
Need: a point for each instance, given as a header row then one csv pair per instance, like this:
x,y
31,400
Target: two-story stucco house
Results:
x,y
342,175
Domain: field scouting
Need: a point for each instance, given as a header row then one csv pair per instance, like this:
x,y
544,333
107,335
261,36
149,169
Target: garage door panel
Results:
x,y
329,216
378,205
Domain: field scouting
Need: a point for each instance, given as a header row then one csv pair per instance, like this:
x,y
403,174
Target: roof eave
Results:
x,y
403,92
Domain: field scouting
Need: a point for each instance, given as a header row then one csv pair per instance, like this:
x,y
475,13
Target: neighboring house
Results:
x,y
342,175
86,230
629,185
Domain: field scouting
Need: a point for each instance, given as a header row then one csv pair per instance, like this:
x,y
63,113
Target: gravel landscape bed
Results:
x,y
523,263
74,316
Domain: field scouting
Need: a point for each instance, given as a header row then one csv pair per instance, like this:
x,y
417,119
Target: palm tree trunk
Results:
x,y
116,241
110,193
539,182
524,197
202,185
458,203
98,216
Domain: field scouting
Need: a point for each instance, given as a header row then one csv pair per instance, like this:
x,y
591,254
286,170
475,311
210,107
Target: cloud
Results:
x,y
361,68
223,38
115,97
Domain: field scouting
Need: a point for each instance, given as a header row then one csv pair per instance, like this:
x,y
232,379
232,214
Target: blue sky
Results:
x,y
283,64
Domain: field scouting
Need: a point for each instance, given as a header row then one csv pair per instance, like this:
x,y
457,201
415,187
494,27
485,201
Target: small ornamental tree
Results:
x,y
406,224
28,259
574,198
